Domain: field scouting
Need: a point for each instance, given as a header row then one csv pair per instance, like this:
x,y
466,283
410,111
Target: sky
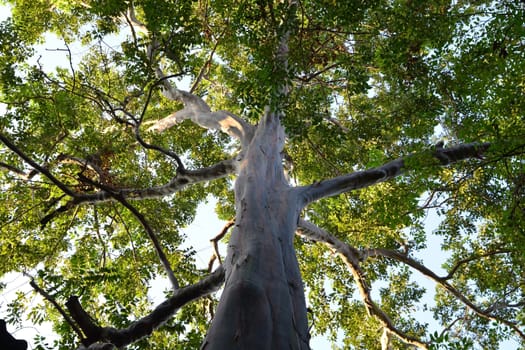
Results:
x,y
199,233
205,226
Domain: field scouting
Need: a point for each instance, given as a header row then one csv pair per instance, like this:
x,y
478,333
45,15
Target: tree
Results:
x,y
7,340
319,127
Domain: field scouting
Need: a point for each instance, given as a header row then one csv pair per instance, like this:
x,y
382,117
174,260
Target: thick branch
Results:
x,y
366,178
198,111
179,182
351,258
220,120
146,325
195,108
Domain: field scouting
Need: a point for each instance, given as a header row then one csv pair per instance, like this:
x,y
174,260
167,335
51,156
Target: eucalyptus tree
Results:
x,y
325,130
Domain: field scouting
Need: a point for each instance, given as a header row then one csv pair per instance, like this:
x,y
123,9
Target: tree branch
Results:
x,y
351,258
215,241
281,56
461,262
53,302
206,66
220,120
84,163
198,111
366,178
134,22
153,237
36,166
179,182
138,123
146,325
442,281
195,108
19,172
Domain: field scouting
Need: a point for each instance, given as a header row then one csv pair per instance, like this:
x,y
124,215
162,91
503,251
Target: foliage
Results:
x,y
371,81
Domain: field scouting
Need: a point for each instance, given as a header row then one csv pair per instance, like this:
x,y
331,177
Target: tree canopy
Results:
x,y
106,154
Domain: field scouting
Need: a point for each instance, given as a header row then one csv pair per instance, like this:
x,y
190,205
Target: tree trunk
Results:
x,y
262,305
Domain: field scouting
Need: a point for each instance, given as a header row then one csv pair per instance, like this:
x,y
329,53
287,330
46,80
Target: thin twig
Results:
x,y
442,281
160,253
205,66
36,166
180,165
215,241
52,300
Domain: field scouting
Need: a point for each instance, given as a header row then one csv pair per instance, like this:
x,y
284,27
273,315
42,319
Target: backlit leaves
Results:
x,y
371,81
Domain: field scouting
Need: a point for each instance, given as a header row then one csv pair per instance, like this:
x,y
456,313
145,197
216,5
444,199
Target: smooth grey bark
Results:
x,y
262,305
361,179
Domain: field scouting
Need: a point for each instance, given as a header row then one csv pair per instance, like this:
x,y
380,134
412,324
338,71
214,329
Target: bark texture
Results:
x,y
262,305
